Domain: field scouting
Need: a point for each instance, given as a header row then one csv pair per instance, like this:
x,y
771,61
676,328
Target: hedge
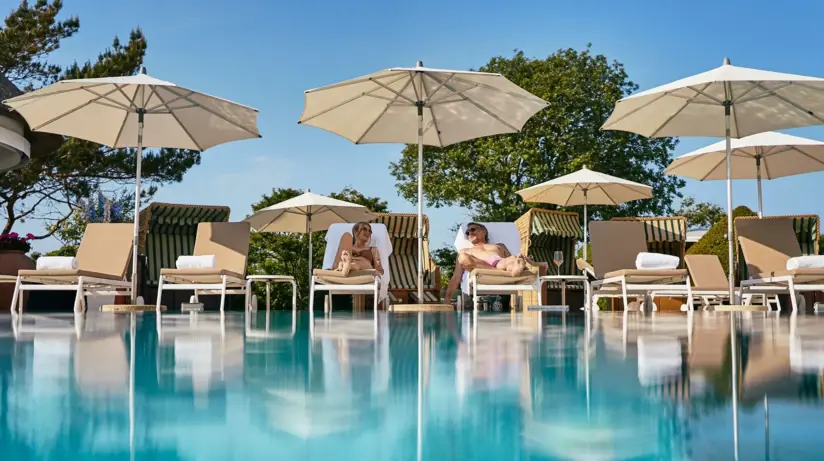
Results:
x,y
714,242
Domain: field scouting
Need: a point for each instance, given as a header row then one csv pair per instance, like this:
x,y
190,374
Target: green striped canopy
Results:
x,y
807,231
543,232
403,262
168,230
666,235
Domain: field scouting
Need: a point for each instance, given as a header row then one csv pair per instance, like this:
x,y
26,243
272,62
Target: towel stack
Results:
x,y
45,263
656,261
805,262
196,262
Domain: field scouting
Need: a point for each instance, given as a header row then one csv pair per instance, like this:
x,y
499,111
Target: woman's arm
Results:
x,y
376,256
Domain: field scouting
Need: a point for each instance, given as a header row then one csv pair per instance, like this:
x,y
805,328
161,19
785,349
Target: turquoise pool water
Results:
x,y
417,387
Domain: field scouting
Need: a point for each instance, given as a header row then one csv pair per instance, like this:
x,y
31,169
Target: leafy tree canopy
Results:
x,y
49,187
700,215
484,175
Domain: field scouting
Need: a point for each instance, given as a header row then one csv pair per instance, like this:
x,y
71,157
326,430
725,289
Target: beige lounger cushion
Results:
x,y
211,275
337,278
798,275
61,275
648,276
502,277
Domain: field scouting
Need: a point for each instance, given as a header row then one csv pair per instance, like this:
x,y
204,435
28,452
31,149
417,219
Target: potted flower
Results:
x,y
13,249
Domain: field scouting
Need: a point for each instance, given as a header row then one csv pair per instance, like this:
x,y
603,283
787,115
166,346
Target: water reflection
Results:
x,y
419,386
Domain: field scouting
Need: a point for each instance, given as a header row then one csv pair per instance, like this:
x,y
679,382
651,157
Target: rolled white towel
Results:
x,y
56,263
196,262
805,262
656,261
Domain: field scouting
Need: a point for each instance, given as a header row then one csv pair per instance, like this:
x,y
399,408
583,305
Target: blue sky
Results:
x,y
266,53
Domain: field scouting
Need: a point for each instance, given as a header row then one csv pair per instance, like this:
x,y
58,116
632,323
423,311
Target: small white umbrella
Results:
x,y
728,101
135,111
448,106
307,213
767,155
586,187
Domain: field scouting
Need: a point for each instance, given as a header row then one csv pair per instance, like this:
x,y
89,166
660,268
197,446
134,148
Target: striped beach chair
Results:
x,y
403,263
666,235
168,230
543,232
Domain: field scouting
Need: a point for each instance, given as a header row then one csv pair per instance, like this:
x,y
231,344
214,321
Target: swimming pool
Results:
x,y
423,386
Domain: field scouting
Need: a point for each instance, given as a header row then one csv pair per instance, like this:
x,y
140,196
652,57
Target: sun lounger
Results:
x,y
229,243
102,262
615,246
767,245
710,281
496,281
357,282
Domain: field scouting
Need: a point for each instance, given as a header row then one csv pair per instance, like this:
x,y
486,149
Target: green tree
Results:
x,y
287,254
700,215
49,187
484,174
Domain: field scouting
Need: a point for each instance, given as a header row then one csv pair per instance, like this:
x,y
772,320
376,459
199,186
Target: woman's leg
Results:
x,y
343,259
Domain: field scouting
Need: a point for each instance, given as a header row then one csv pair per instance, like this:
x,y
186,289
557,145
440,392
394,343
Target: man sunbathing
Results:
x,y
354,252
484,255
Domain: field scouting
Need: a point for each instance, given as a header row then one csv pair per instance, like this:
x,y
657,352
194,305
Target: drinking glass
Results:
x,y
558,259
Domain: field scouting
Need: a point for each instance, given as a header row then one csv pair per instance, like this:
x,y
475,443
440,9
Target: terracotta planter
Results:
x,y
12,261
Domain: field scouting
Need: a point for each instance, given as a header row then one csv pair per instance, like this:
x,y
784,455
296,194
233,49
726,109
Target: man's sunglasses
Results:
x,y
472,230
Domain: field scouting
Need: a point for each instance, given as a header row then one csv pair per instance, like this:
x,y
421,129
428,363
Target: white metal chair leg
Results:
x,y
624,294
14,302
223,294
159,295
793,300
375,306
294,297
78,298
690,301
312,307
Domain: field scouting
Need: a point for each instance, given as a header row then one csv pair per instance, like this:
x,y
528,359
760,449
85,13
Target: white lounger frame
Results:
x,y
782,284
608,288
85,286
227,286
316,284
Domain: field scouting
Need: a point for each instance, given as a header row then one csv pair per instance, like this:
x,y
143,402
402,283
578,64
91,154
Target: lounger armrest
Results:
x,y
437,274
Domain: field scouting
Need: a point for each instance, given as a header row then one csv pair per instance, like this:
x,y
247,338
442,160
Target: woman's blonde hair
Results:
x,y
356,228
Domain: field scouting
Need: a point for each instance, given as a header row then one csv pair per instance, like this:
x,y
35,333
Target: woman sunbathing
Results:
x,y
354,252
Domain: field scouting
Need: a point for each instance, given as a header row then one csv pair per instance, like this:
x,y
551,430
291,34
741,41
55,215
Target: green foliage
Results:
x,y
484,174
700,215
714,242
287,254
50,184
446,258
